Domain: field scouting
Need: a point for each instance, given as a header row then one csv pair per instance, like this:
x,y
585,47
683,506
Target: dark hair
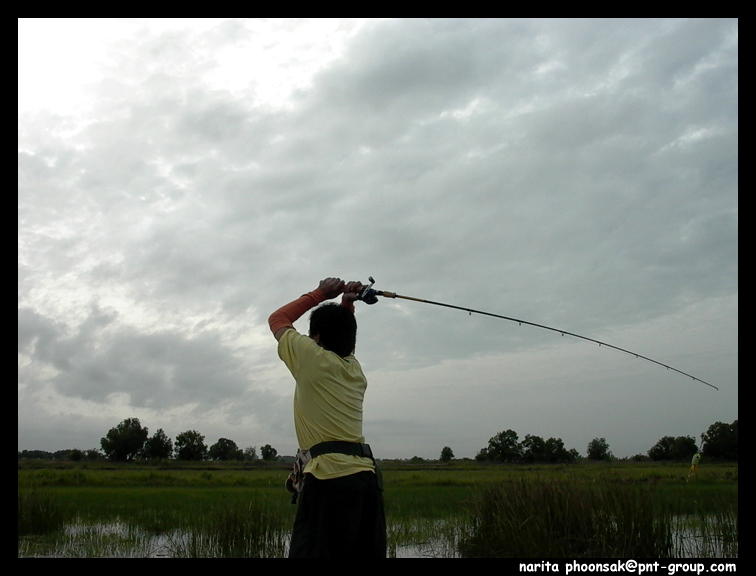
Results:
x,y
335,327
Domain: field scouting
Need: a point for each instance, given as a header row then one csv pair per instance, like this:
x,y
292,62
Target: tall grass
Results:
x,y
707,535
39,513
257,531
564,519
151,522
226,532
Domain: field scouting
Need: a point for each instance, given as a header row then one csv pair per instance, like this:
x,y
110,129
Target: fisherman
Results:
x,y
694,464
340,511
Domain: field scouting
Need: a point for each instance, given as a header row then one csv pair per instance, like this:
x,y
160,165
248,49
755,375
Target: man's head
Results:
x,y
335,328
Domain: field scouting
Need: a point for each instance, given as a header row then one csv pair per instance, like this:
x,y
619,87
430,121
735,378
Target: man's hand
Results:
x,y
352,291
332,287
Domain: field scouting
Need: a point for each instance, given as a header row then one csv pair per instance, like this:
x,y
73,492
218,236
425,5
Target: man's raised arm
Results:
x,y
283,319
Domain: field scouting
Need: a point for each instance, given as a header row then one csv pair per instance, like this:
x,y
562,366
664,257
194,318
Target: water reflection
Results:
x,y
693,538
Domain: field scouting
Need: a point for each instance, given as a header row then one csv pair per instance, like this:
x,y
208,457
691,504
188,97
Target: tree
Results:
x,y
555,452
598,449
268,452
250,453
159,446
670,448
225,449
533,449
125,441
190,445
683,448
482,456
75,455
573,455
504,447
662,448
721,441
536,449
93,454
446,454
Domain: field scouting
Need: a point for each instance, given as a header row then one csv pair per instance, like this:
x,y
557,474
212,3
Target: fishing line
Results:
x,y
369,296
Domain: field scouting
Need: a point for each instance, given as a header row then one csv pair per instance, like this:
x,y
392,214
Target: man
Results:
x,y
694,464
340,511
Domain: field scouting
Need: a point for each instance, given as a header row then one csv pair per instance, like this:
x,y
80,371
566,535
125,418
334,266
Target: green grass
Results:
x,y
39,513
222,510
256,530
554,518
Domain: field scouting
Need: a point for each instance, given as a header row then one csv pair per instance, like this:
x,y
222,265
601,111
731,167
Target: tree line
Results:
x,y
720,442
129,441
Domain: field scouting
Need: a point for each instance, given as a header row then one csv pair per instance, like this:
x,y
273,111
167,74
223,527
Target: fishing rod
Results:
x,y
370,296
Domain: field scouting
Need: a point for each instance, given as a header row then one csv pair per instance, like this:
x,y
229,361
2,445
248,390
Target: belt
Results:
x,y
342,447
351,449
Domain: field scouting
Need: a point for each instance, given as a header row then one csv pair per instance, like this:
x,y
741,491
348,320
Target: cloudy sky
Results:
x,y
178,180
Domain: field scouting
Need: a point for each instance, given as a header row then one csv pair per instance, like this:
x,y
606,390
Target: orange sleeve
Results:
x,y
286,315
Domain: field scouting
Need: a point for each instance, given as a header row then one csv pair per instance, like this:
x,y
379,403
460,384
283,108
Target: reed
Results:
x,y
604,509
565,519
39,513
254,531
707,535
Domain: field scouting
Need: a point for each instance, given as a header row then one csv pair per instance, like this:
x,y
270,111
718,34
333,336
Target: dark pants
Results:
x,y
340,518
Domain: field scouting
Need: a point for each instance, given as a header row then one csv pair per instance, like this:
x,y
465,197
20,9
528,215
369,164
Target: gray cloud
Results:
x,y
578,173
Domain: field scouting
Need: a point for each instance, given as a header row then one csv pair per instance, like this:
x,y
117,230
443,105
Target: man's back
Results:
x,y
327,403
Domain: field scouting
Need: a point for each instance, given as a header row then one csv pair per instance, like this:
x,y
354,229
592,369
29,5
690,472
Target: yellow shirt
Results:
x,y
327,403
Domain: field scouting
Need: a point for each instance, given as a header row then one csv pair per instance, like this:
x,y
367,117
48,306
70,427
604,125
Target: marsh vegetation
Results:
x,y
575,511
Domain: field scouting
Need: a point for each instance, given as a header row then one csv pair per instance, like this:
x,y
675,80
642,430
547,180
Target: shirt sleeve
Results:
x,y
286,315
297,350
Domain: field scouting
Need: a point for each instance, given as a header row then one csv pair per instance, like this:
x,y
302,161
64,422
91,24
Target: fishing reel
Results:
x,y
367,294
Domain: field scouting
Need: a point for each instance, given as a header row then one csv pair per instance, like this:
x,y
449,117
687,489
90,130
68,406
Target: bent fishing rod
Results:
x,y
370,296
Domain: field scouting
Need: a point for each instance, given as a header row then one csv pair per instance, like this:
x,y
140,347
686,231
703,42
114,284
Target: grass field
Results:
x,y
461,509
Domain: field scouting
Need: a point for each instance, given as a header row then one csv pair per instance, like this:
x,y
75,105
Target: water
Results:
x,y
693,538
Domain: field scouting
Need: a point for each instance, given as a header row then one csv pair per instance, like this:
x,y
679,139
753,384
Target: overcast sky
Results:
x,y
179,180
